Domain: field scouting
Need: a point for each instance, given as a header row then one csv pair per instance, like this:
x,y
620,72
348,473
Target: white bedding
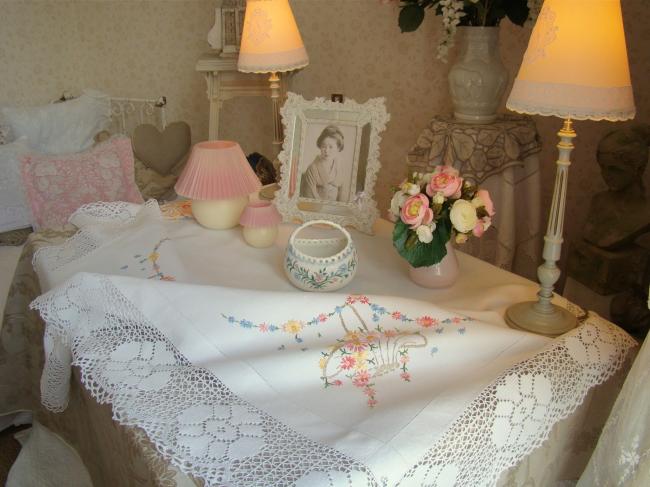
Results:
x,y
8,259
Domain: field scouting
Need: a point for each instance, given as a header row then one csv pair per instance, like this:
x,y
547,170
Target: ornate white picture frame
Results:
x,y
330,159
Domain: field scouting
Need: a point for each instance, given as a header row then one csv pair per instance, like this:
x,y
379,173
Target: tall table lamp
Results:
x,y
575,67
271,43
218,179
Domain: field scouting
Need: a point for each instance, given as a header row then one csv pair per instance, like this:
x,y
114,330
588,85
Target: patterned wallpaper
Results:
x,y
144,48
127,48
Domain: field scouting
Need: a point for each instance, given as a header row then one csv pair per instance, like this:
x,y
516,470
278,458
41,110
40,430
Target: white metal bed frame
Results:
x,y
128,113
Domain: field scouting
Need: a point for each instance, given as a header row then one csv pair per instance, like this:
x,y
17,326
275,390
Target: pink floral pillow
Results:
x,y
56,185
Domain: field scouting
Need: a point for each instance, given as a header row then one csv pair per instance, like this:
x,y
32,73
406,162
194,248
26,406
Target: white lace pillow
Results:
x,y
61,128
14,210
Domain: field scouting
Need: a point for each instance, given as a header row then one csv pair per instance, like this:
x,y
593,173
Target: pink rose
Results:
x,y
487,221
478,229
444,182
443,168
487,201
416,211
481,226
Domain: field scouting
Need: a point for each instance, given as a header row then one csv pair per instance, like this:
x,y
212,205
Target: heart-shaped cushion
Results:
x,y
162,151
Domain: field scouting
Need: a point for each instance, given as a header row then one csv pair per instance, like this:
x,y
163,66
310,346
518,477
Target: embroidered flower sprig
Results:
x,y
153,257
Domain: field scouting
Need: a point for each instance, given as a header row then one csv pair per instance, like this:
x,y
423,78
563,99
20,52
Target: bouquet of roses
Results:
x,y
428,208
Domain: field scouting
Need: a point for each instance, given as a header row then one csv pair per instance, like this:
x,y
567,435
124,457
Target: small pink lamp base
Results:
x,y
260,237
219,214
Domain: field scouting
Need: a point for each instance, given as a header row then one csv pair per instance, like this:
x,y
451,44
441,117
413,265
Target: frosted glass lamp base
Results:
x,y
219,214
551,321
260,237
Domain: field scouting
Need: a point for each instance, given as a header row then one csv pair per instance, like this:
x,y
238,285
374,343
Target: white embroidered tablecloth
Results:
x,y
253,387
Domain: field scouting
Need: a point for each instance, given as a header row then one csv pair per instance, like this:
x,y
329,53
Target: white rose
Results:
x,y
477,202
439,198
412,189
426,178
425,233
463,216
461,238
409,188
397,202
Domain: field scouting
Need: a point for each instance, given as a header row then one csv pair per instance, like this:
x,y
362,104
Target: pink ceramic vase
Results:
x,y
440,275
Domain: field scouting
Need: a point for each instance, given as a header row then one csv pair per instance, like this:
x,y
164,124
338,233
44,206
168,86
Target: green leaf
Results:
x,y
517,12
400,236
421,255
410,17
494,15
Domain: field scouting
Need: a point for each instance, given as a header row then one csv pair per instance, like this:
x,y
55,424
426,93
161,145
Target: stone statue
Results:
x,y
613,256
618,216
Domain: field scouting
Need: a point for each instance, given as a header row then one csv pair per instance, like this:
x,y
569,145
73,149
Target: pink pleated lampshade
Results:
x,y
217,170
260,214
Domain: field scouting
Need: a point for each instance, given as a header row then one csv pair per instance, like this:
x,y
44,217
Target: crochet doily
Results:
x,y
98,224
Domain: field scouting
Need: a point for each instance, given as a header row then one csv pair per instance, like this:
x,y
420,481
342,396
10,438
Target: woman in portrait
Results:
x,y
323,179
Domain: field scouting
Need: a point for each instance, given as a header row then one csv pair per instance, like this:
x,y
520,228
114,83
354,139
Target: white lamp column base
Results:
x,y
542,316
527,316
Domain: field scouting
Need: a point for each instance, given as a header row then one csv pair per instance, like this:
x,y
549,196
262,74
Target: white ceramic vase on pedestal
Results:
x,y
478,80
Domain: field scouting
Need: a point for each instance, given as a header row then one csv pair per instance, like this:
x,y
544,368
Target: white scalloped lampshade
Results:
x,y
576,64
270,40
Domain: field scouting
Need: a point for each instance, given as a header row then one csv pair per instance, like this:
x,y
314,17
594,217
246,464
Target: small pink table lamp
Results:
x,y
260,221
218,179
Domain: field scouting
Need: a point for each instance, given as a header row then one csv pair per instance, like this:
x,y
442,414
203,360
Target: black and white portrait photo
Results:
x,y
330,159
327,162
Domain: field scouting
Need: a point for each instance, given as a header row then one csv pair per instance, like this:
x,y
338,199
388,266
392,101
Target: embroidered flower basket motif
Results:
x,y
364,353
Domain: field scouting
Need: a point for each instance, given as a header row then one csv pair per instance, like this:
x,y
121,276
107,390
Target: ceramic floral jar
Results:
x,y
320,264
